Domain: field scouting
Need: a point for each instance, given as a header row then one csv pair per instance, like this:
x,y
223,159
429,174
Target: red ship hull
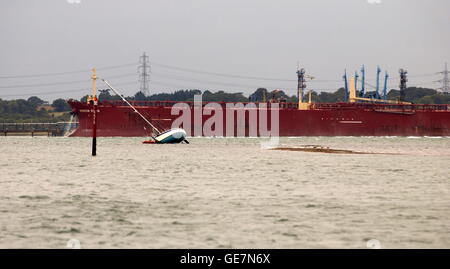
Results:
x,y
340,119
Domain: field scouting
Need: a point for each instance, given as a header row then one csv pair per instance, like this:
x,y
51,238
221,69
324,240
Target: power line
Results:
x,y
217,74
172,85
44,84
121,76
220,82
43,93
132,74
214,82
146,72
56,92
183,69
67,72
260,78
162,83
239,89
203,81
59,83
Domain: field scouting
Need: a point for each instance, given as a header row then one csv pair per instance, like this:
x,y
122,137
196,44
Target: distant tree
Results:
x,y
84,99
413,94
222,96
332,97
36,101
278,95
60,105
435,99
420,96
140,96
416,92
105,95
185,95
180,95
259,95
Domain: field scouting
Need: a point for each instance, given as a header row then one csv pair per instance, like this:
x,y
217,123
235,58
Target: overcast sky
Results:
x,y
249,38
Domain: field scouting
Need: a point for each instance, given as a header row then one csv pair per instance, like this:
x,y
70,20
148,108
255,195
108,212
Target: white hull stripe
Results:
x,y
351,122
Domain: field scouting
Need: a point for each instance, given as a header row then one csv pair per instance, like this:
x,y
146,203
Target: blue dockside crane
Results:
x,y
346,86
363,86
386,77
377,94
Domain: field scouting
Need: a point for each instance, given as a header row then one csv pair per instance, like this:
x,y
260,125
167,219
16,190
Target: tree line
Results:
x,y
33,109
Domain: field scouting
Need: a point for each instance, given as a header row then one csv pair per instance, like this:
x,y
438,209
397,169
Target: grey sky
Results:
x,y
258,38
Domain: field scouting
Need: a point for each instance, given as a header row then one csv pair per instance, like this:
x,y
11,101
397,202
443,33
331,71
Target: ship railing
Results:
x,y
284,105
382,107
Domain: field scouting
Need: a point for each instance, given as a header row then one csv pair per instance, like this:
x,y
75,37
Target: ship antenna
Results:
x,y
403,80
363,81
300,85
135,110
386,77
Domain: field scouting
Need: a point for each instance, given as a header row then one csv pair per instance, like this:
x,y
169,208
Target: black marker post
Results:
x,y
94,102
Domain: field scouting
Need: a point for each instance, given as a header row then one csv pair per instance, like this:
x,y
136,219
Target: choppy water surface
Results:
x,y
224,193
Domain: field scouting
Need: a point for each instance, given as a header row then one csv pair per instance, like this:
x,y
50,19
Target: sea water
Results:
x,y
224,193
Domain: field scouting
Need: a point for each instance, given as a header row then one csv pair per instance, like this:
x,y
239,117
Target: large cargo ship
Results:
x,y
357,117
115,118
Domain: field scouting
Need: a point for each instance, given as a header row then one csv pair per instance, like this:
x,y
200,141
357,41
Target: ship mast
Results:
x,y
94,83
300,85
94,102
386,77
403,80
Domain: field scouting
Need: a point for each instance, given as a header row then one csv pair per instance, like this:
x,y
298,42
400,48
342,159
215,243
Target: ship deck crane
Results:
x,y
346,85
354,99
